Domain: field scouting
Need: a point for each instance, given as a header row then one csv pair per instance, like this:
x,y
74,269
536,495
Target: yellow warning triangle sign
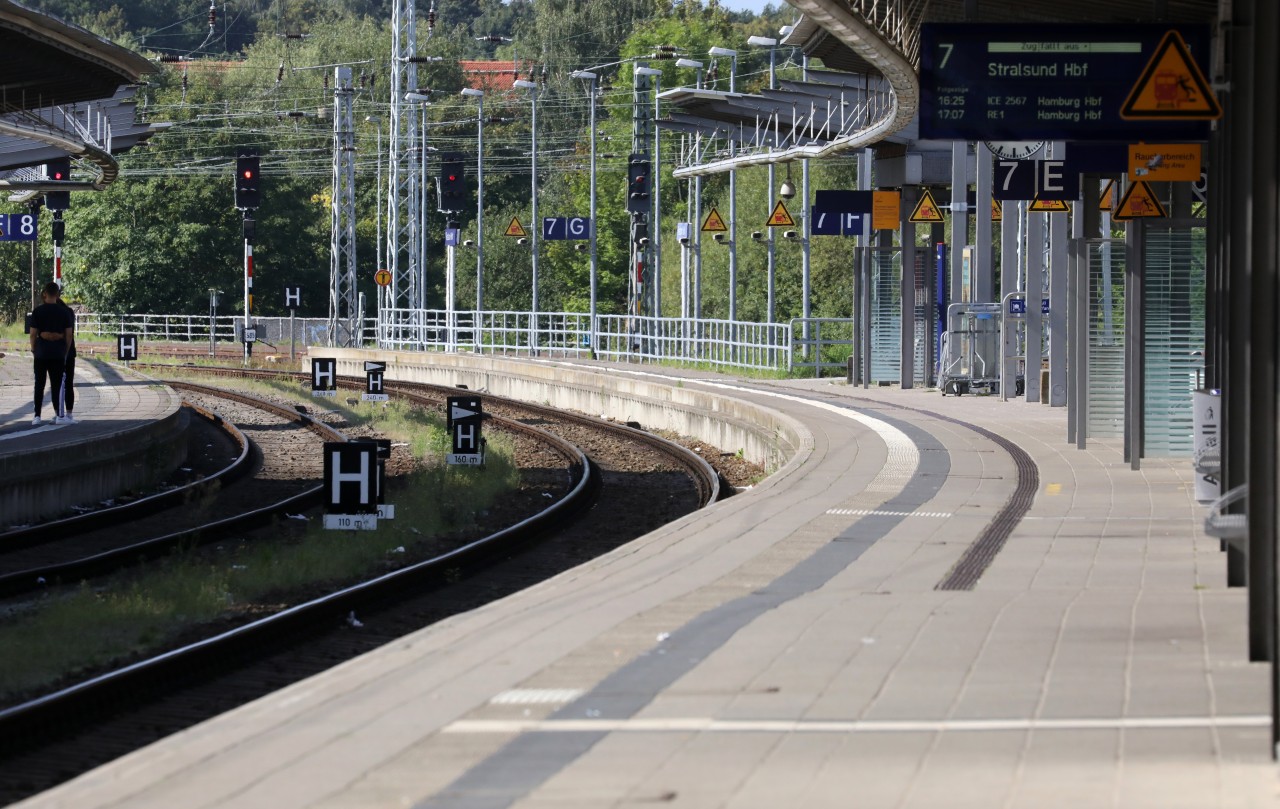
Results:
x,y
781,217
1107,202
926,209
1171,87
997,211
515,228
1049,206
713,223
1139,202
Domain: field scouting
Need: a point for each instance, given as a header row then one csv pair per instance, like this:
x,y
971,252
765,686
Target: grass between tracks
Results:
x,y
129,615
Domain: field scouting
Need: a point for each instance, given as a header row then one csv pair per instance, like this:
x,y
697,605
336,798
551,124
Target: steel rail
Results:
x,y
68,707
58,529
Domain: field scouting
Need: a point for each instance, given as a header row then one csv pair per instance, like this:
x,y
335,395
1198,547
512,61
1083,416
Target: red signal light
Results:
x,y
248,174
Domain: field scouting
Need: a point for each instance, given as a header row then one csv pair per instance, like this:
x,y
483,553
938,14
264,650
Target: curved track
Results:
x,y
316,624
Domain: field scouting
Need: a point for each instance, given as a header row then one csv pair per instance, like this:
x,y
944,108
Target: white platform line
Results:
x,y
875,512
536,696
707,725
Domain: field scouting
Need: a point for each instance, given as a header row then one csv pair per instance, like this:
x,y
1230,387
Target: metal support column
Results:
x,y
1135,353
1264,333
1236,427
1058,309
867,243
402,179
1035,292
342,225
1009,218
908,294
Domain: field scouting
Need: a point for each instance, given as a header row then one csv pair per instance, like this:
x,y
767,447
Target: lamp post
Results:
x,y
696,289
733,191
478,95
588,76
772,45
535,225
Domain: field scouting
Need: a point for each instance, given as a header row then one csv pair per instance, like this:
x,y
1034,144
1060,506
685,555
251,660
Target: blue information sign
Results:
x,y
562,228
17,227
1016,82
1017,306
451,237
839,212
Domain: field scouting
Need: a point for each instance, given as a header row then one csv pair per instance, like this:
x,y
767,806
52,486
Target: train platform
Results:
x,y
128,432
931,603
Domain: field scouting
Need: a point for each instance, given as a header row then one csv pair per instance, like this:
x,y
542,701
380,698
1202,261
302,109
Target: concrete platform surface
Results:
x,y
791,647
129,429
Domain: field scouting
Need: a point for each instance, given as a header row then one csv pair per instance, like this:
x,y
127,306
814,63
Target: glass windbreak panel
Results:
x,y
922,330
886,319
1173,332
1106,339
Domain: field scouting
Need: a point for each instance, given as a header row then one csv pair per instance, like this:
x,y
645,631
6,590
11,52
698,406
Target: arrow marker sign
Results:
x,y
461,413
374,366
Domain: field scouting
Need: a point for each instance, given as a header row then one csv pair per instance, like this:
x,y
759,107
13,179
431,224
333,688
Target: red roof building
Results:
x,y
492,76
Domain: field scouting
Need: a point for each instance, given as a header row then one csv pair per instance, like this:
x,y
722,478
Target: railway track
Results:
x,y
248,493
603,510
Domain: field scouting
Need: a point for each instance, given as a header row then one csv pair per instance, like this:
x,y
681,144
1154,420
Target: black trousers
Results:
x,y
51,369
69,382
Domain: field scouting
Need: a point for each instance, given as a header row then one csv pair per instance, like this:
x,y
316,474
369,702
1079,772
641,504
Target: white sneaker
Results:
x,y
67,419
37,421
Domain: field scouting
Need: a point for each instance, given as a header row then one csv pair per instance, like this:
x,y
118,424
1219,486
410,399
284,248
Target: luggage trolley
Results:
x,y
963,362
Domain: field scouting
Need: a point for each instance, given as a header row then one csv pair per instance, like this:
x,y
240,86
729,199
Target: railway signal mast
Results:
x,y
248,198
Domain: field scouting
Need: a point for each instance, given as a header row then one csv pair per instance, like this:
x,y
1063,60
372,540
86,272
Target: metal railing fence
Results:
x,y
781,347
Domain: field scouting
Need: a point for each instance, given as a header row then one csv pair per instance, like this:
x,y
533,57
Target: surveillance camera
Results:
x,y
684,240
787,190
757,235
522,241
468,243
720,237
581,248
642,241
789,234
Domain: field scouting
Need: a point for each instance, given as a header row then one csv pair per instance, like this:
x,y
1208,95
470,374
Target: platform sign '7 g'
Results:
x,y
561,228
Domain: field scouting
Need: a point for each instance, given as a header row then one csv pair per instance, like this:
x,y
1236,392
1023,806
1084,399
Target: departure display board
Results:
x,y
1012,82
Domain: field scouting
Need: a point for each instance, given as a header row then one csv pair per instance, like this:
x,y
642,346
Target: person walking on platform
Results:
x,y
69,370
51,332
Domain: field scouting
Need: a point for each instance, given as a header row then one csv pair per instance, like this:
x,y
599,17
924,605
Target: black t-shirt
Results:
x,y
51,317
71,313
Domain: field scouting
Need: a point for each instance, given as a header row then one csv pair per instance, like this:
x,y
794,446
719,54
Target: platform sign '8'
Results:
x,y
17,227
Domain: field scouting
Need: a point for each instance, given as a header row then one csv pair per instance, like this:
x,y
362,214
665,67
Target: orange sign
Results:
x,y
780,218
515,228
1178,162
382,278
713,223
926,209
1140,202
1108,200
997,211
884,209
1171,87
1049,206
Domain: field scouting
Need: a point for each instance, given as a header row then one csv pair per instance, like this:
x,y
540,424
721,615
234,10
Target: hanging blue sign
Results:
x,y
17,227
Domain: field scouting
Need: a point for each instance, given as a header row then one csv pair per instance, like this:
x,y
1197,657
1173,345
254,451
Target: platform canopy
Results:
x,y
867,91
64,91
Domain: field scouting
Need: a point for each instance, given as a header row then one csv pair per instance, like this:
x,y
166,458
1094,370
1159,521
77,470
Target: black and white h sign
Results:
x,y
351,477
292,297
324,376
464,415
127,347
373,375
